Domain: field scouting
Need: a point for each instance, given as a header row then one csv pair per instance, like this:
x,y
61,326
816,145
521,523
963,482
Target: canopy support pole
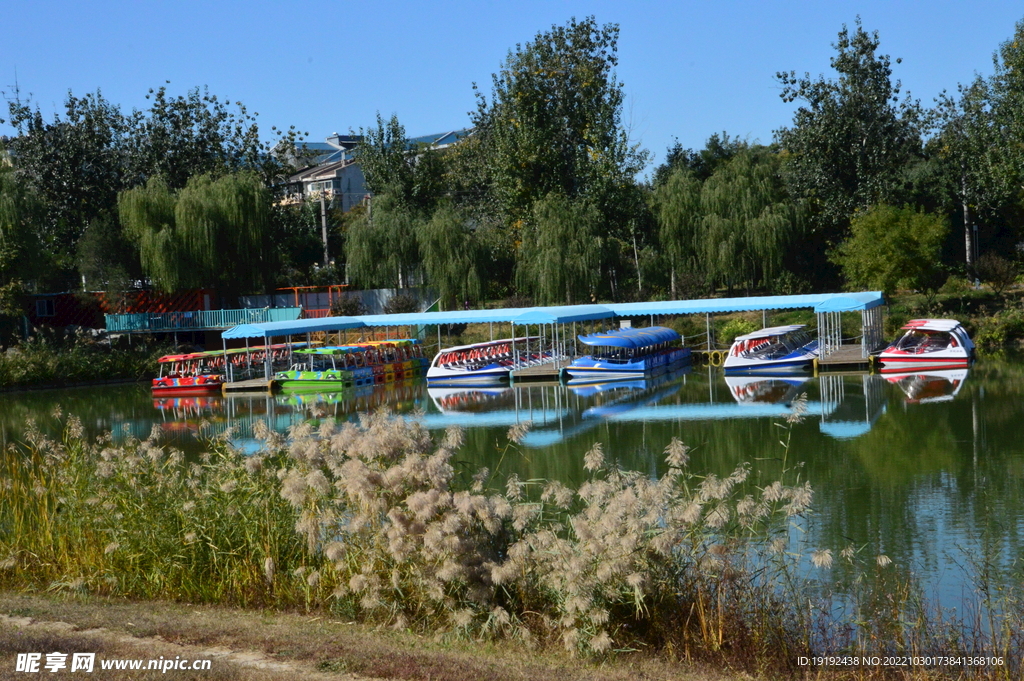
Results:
x,y
227,360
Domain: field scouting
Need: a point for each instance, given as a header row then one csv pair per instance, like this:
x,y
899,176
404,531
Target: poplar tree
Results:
x,y
553,122
852,136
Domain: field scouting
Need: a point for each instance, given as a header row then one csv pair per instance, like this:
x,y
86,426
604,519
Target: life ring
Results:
x,y
715,357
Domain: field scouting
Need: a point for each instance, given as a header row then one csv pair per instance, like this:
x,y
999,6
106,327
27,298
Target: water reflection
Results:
x,y
844,407
929,386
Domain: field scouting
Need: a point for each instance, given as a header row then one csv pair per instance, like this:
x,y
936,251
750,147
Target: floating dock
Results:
x,y
845,359
255,385
549,371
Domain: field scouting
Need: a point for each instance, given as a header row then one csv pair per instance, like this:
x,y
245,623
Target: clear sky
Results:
x,y
689,68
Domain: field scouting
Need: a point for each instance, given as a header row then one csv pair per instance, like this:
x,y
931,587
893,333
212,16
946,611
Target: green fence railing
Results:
x,y
146,322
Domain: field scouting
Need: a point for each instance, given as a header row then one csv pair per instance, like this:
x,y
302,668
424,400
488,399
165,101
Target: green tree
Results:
x,y
78,162
702,164
553,122
384,157
381,248
852,138
181,137
1007,109
561,251
106,258
676,204
891,248
213,232
451,256
748,220
967,150
20,255
75,164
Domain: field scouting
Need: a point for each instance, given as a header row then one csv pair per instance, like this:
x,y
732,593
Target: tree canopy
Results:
x,y
561,251
852,137
212,233
553,122
891,248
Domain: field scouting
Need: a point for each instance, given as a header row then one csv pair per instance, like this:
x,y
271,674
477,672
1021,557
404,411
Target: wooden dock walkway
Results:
x,y
549,371
847,358
255,385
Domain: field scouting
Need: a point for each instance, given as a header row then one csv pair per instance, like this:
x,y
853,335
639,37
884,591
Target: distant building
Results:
x,y
333,170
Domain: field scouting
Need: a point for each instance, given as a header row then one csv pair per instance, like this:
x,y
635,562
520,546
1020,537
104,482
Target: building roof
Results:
x,y
439,139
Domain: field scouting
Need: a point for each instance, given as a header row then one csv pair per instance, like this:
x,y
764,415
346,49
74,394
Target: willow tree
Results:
x,y
560,256
450,255
381,248
215,232
676,205
748,221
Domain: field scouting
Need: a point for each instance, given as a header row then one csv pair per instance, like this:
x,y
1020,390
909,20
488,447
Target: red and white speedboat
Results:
x,y
929,344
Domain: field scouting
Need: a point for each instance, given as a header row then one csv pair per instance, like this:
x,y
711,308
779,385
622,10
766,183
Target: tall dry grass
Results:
x,y
371,520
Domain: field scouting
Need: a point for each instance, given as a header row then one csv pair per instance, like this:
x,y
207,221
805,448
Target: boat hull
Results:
x,y
486,375
323,381
181,387
591,369
893,363
780,366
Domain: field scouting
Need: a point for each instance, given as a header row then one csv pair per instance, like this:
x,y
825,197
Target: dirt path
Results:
x,y
259,645
119,645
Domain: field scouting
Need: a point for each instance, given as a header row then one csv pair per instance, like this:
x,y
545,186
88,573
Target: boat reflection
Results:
x,y
845,406
923,387
766,389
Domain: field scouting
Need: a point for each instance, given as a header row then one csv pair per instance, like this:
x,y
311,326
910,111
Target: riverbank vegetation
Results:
x,y
377,522
57,359
540,196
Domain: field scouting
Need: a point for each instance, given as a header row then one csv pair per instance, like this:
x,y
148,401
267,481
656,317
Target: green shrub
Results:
x,y
56,359
997,271
401,303
735,327
1001,328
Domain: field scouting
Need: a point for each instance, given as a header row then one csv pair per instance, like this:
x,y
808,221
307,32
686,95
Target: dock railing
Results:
x,y
149,322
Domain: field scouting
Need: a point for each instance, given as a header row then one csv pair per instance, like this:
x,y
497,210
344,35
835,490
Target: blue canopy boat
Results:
x,y
628,353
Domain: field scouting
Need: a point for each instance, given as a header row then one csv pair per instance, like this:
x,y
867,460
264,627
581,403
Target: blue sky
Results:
x,y
689,68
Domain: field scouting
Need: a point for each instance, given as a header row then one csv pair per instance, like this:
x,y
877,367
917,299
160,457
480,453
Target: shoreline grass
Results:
x,y
369,522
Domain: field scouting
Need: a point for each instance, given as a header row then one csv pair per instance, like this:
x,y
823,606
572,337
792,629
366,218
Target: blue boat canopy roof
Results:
x,y
631,338
846,302
291,328
820,302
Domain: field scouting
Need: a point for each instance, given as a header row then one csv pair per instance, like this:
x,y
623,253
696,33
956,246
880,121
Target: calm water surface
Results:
x,y
926,469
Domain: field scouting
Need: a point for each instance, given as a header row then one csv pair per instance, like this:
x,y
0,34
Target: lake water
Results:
x,y
927,469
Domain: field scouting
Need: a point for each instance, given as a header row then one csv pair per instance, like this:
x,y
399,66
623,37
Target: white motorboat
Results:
x,y
777,349
485,363
928,344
